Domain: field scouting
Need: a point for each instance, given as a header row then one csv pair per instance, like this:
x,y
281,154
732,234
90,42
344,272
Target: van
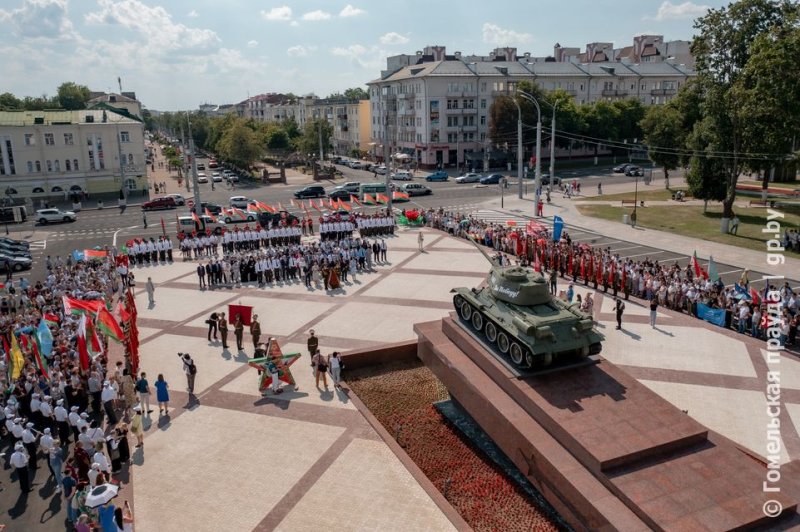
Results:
x,y
415,189
372,189
187,224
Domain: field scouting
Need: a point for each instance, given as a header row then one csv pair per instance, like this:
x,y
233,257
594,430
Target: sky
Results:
x,y
178,54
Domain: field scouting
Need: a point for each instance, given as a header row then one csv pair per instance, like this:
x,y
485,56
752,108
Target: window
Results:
x,y
581,86
452,137
483,103
68,165
68,140
469,120
38,167
75,188
483,137
75,164
594,86
58,165
49,140
10,191
483,120
644,86
49,165
469,104
56,189
130,184
419,137
469,137
452,104
483,87
37,190
633,86
497,86
130,158
30,167
125,136
30,140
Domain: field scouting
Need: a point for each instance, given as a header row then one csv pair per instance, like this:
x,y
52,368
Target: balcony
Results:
x,y
663,92
392,96
341,117
613,92
409,95
407,112
454,94
469,129
454,110
408,129
469,111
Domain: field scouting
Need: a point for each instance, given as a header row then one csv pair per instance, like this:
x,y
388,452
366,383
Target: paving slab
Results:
x,y
420,286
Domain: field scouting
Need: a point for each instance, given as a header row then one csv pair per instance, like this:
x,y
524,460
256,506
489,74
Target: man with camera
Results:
x,y
190,368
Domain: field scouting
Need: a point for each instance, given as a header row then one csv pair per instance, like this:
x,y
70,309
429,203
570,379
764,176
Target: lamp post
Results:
x,y
635,199
538,181
552,149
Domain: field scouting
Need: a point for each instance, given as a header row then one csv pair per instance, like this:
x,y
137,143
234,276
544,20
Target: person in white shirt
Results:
x,y
19,461
94,472
108,396
29,441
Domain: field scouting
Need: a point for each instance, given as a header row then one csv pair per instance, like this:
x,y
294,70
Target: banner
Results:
x,y
715,316
245,310
558,227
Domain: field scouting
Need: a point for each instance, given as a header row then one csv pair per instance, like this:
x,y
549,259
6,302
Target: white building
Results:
x,y
45,153
437,105
645,49
126,101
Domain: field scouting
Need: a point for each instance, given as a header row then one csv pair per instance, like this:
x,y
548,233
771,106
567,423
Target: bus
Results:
x,y
372,189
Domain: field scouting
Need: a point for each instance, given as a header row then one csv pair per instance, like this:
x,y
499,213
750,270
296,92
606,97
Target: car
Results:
x,y
468,178
167,202
213,208
44,216
493,179
311,191
226,172
367,166
241,202
232,178
380,170
202,178
188,224
402,176
13,242
337,160
341,213
351,186
340,193
621,169
546,179
201,166
355,165
14,252
213,163
415,189
7,214
266,218
231,216
16,263
634,171
438,176
215,177
179,200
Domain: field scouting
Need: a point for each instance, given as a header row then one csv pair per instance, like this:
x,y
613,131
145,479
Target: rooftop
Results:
x,y
60,117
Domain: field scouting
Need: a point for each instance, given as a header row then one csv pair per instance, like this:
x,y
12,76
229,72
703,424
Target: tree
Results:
x,y
9,102
291,128
72,96
631,113
722,48
602,121
39,103
568,118
240,144
664,136
703,175
503,117
309,141
356,93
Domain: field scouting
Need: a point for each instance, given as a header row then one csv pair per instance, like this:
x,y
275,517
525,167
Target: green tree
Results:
x,y
631,113
356,93
240,144
72,96
309,141
568,118
39,103
664,135
9,102
291,128
503,116
602,122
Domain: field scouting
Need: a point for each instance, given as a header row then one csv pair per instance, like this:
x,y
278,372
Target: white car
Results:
x,y
233,178
380,170
215,177
44,216
233,217
355,165
202,178
469,178
179,200
402,176
241,202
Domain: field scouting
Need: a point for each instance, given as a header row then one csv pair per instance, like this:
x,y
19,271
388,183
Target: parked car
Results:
x,y
16,263
468,178
166,202
14,251
188,224
621,169
14,242
493,179
265,218
634,171
402,176
337,160
213,163
238,216
342,213
355,165
215,177
381,170
311,191
44,216
7,214
202,178
415,189
367,166
241,202
340,193
179,200
546,179
351,186
201,166
438,176
213,208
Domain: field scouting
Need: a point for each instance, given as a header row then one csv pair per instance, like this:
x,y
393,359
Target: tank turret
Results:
x,y
517,315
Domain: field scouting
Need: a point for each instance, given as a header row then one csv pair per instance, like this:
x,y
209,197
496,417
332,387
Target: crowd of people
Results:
x,y
669,285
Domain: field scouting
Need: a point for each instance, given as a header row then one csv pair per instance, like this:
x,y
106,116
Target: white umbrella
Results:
x,y
401,156
101,495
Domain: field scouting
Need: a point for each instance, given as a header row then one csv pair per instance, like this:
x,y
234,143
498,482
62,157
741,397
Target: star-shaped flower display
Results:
x,y
283,362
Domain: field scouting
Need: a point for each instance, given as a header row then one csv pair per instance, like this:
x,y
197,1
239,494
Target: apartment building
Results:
x,y
437,105
258,107
44,154
645,49
214,110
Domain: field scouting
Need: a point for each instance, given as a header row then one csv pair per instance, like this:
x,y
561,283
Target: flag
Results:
x,y
382,198
38,359
264,207
177,222
252,208
83,352
93,344
163,227
197,220
712,270
624,276
314,206
354,199
91,254
698,270
558,227
239,212
15,357
536,266
569,264
369,200
611,274
399,195
509,223
281,207
344,205
109,326
79,306
45,338
754,296
583,266
50,319
213,218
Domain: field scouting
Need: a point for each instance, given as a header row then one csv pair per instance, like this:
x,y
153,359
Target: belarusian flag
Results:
x,y
38,358
354,199
399,195
344,205
109,326
79,306
281,207
314,206
90,254
264,207
369,200
510,223
213,218
197,220
712,270
239,212
93,344
698,270
50,319
382,198
83,352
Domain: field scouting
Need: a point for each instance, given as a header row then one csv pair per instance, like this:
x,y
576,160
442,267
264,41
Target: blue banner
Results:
x,y
77,255
715,316
558,227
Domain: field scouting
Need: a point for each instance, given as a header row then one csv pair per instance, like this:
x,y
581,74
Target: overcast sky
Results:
x,y
177,54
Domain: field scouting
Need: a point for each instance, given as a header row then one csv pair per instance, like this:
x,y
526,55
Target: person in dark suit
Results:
x,y
210,274
201,275
213,323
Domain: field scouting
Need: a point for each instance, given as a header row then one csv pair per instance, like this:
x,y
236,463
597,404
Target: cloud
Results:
x,y
316,15
494,34
192,14
670,11
394,38
372,57
154,25
40,19
278,13
350,11
297,51
294,24
252,44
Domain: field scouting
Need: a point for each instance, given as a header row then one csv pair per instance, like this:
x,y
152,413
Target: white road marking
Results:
x,y
114,241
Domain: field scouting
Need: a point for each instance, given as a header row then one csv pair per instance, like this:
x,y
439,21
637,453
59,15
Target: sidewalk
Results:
x,y
722,253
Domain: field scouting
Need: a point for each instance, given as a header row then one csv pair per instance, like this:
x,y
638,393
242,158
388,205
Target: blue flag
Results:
x,y
45,338
77,255
558,227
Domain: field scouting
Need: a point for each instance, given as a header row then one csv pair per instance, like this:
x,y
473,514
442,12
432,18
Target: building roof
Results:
x,y
112,98
61,117
649,51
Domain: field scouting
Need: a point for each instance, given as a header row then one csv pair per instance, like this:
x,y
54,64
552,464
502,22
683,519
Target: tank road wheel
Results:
x,y
466,311
517,356
547,359
502,342
529,358
477,321
491,332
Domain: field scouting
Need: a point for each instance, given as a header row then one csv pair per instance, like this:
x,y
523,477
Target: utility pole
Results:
x,y
197,208
185,161
552,149
519,149
122,164
538,183
387,153
321,154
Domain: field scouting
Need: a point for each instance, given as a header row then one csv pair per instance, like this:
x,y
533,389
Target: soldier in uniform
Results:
x,y
255,330
222,323
238,331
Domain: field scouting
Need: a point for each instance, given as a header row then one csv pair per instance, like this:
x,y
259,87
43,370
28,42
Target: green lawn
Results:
x,y
690,221
646,195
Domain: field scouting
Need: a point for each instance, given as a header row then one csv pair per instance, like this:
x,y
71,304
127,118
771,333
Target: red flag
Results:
x,y
599,271
213,218
698,270
536,265
109,326
569,265
755,296
163,227
314,206
583,266
611,274
552,258
197,220
79,306
344,205
281,207
354,199
624,275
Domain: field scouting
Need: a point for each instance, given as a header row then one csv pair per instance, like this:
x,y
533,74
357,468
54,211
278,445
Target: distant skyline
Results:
x,y
178,54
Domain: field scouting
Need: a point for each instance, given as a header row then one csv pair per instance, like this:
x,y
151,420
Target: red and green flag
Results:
x,y
91,254
698,270
383,198
79,306
50,319
369,200
109,326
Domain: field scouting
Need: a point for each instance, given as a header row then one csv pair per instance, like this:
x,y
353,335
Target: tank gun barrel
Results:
x,y
490,259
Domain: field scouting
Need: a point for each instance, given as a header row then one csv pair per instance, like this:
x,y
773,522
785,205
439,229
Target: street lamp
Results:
x,y
538,181
552,149
635,199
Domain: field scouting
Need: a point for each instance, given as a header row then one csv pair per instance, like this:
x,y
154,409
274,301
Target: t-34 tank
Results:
x,y
518,315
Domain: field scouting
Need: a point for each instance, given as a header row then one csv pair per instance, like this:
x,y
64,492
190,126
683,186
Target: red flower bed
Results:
x,y
401,396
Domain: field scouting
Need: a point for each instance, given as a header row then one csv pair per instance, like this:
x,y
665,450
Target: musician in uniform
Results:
x,y
238,331
255,330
